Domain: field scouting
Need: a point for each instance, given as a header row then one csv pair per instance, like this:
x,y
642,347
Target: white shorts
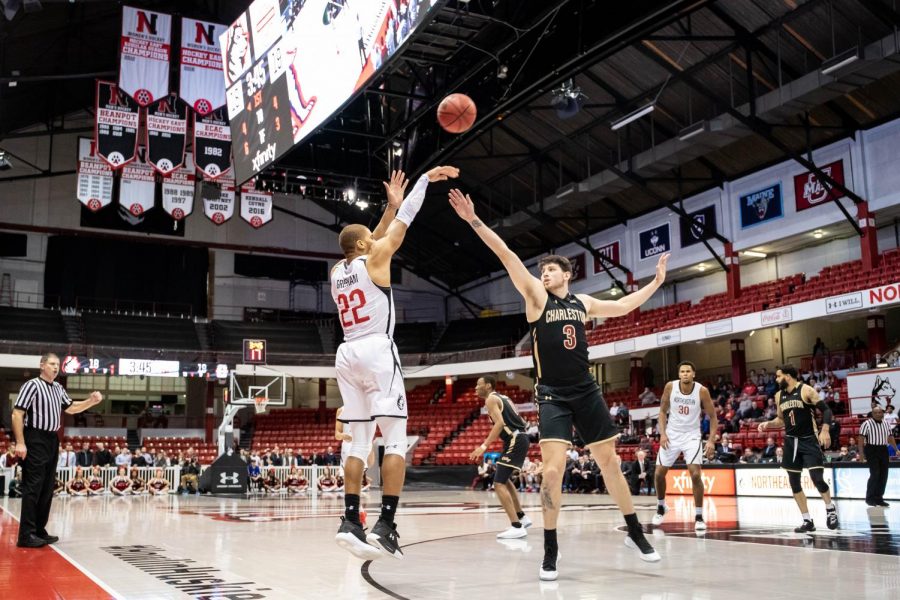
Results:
x,y
370,379
345,452
689,444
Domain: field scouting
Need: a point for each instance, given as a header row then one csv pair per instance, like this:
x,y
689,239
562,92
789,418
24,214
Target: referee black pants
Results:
x,y
877,458
38,481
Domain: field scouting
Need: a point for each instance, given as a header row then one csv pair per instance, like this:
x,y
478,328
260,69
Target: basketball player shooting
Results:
x,y
679,434
368,368
565,391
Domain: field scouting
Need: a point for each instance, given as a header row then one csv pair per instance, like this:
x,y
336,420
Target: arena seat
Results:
x,y
32,325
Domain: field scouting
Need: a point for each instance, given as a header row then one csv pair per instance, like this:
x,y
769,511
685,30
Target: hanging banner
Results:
x,y
256,206
579,271
95,178
218,199
654,241
115,132
202,86
212,144
700,225
178,191
144,54
166,133
761,206
810,192
610,251
136,190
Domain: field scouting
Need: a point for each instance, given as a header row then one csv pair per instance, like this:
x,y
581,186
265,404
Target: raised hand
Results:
x,y
661,268
463,205
442,173
395,188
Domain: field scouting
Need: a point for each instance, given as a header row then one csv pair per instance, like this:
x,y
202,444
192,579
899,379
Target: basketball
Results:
x,y
456,113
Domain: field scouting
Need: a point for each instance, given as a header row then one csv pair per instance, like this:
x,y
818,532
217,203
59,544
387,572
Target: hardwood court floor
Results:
x,y
264,547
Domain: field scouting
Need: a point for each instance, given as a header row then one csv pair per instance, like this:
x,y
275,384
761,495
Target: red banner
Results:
x,y
610,251
810,192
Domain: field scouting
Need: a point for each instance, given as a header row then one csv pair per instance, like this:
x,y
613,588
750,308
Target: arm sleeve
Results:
x,y
26,396
413,201
827,416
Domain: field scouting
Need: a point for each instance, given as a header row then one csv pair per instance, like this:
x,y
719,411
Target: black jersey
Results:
x,y
799,418
512,421
559,342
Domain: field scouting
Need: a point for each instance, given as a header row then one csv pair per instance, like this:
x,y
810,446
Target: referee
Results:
x,y
35,420
878,436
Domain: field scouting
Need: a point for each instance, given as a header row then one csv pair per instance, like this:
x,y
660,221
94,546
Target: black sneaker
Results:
x,y
385,534
548,567
831,520
352,538
807,526
637,541
882,503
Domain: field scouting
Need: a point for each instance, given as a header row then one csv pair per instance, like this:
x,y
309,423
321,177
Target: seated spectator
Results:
x,y
158,484
123,458
768,453
889,417
271,483
647,397
255,474
78,485
295,483
339,479
614,410
749,388
582,476
15,486
190,477
95,482
623,416
138,485
779,455
845,456
748,458
532,432
9,459
120,485
327,482
641,473
725,451
771,410
852,447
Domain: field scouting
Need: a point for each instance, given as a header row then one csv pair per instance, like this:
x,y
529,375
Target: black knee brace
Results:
x,y
794,479
818,480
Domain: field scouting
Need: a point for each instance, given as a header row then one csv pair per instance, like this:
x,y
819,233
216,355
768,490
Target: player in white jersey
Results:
x,y
367,364
679,433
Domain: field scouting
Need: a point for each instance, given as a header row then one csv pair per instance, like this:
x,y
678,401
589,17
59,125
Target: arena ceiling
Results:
x,y
746,74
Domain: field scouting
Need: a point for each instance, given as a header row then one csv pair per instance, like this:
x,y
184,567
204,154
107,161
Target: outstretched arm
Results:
x,y
623,306
395,188
527,284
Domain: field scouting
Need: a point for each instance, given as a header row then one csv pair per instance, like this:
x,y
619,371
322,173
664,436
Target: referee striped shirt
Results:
x,y
876,433
42,402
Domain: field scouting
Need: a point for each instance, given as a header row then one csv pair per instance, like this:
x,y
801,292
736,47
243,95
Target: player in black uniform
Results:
x,y
510,427
566,392
795,403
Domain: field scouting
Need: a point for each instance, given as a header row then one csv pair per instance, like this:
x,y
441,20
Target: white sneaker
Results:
x,y
526,522
660,515
699,524
551,575
512,533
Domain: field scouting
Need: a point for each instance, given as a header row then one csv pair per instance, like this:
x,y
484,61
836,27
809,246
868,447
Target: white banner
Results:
x,y
256,206
145,50
137,188
865,387
851,483
218,200
178,191
774,482
202,86
95,178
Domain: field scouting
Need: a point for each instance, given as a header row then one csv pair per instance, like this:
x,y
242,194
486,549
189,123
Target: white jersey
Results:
x,y
684,410
364,308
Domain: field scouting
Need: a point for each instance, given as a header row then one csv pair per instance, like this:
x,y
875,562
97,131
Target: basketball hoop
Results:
x,y
260,403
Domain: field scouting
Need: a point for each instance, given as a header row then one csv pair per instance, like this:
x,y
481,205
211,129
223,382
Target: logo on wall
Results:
x,y
882,391
609,251
654,241
578,267
810,192
761,206
700,225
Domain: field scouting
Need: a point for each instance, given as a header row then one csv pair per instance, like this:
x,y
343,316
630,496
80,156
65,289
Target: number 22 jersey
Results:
x,y
364,308
559,342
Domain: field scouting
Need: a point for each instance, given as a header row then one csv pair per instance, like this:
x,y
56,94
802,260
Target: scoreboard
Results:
x,y
289,65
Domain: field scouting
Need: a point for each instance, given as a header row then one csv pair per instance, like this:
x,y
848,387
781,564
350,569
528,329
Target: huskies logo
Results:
x,y
882,392
761,206
654,241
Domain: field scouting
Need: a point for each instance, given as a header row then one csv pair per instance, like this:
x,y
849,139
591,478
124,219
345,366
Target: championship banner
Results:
x,y
700,225
218,200
810,192
136,190
166,133
144,59
178,191
202,86
95,178
256,206
212,144
761,206
116,129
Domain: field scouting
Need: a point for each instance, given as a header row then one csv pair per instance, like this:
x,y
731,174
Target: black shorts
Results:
x,y
802,453
580,406
514,453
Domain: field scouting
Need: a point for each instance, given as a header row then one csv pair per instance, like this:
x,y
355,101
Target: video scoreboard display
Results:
x,y
289,65
109,365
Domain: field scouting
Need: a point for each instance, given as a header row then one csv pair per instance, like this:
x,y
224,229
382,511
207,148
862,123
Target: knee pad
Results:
x,y
794,479
361,445
819,480
393,432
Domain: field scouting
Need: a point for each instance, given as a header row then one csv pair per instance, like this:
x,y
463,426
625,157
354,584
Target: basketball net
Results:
x,y
260,403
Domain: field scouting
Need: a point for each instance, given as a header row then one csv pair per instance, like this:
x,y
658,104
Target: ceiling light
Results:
x,y
633,116
567,99
613,291
754,254
362,204
838,62
692,130
502,72
752,332
398,149
818,234
5,165
350,193
701,267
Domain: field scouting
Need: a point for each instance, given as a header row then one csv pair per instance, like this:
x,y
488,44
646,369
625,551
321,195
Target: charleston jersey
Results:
x,y
512,421
799,418
559,342
684,410
364,308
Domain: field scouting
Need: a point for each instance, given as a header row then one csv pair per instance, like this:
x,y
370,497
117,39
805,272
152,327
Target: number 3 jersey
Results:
x,y
364,308
559,342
